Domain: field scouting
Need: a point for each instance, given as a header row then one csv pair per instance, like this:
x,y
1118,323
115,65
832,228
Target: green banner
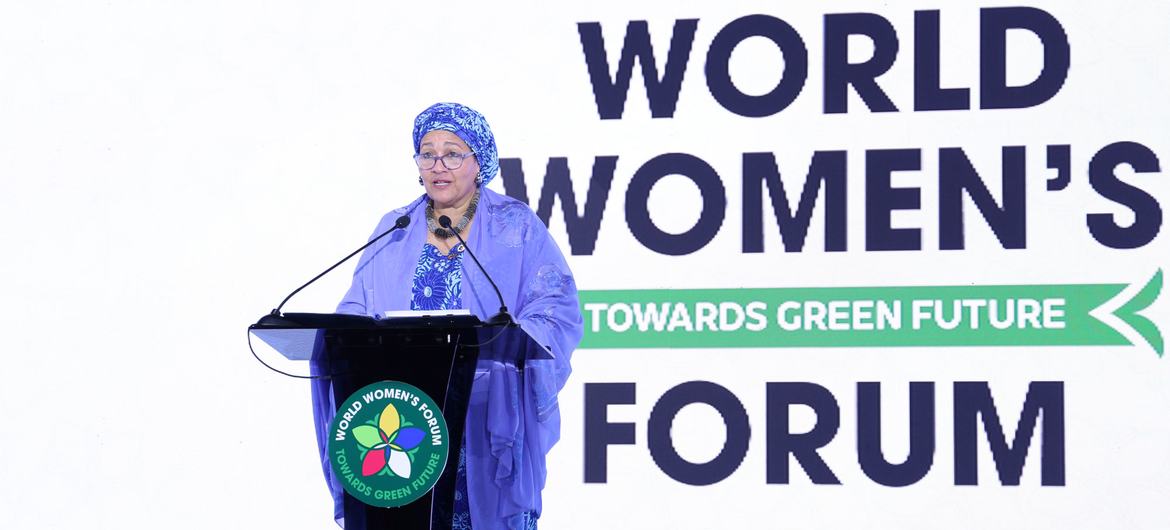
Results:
x,y
966,315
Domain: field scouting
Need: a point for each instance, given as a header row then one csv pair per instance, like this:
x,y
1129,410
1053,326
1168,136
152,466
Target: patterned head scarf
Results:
x,y
470,126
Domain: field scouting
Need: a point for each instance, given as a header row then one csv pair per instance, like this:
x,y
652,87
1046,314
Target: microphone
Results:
x,y
501,318
398,224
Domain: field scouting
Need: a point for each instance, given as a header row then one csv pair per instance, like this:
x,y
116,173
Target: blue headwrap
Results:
x,y
469,125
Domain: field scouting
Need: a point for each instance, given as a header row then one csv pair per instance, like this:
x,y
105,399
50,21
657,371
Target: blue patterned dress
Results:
x,y
437,280
437,286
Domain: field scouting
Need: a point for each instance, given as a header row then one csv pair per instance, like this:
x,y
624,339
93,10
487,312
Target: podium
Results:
x,y
435,354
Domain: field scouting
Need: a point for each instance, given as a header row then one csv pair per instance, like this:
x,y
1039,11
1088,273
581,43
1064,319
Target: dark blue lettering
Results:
x,y
760,168
881,199
840,73
710,219
791,81
662,94
957,176
1147,214
869,435
1060,159
599,432
994,23
581,228
735,445
782,443
928,92
973,400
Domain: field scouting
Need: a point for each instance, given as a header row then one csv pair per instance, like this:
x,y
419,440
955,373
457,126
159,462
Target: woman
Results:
x,y
502,471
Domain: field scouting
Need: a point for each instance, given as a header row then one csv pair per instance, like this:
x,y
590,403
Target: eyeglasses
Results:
x,y
451,161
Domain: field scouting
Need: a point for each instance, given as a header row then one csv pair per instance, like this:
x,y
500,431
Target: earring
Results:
x,y
420,183
478,180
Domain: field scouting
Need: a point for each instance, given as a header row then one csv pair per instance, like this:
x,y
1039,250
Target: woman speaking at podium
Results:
x,y
423,267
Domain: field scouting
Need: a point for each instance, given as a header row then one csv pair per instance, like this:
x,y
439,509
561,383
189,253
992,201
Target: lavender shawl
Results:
x,y
512,418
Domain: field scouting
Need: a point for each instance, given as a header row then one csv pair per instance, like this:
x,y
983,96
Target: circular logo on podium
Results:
x,y
388,444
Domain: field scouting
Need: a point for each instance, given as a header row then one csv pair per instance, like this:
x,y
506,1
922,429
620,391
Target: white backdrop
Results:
x,y
170,170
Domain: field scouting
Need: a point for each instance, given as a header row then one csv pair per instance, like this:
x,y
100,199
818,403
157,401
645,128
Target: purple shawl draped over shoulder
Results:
x,y
506,447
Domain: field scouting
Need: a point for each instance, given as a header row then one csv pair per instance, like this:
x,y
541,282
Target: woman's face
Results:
x,y
448,188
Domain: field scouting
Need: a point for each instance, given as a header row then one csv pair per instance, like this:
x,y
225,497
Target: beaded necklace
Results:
x,y
442,233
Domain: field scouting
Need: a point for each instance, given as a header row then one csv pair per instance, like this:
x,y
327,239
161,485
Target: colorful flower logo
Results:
x,y
388,436
387,444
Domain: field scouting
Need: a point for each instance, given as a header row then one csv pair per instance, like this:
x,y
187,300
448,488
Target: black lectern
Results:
x,y
436,354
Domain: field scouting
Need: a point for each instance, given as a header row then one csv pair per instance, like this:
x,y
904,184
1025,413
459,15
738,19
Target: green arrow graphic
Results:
x,y
1146,328
947,316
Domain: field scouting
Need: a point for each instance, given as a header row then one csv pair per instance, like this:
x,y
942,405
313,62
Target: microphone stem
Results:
x,y
445,222
399,224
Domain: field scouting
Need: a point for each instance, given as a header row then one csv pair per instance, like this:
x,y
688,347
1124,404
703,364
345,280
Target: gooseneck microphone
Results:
x,y
501,318
398,225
